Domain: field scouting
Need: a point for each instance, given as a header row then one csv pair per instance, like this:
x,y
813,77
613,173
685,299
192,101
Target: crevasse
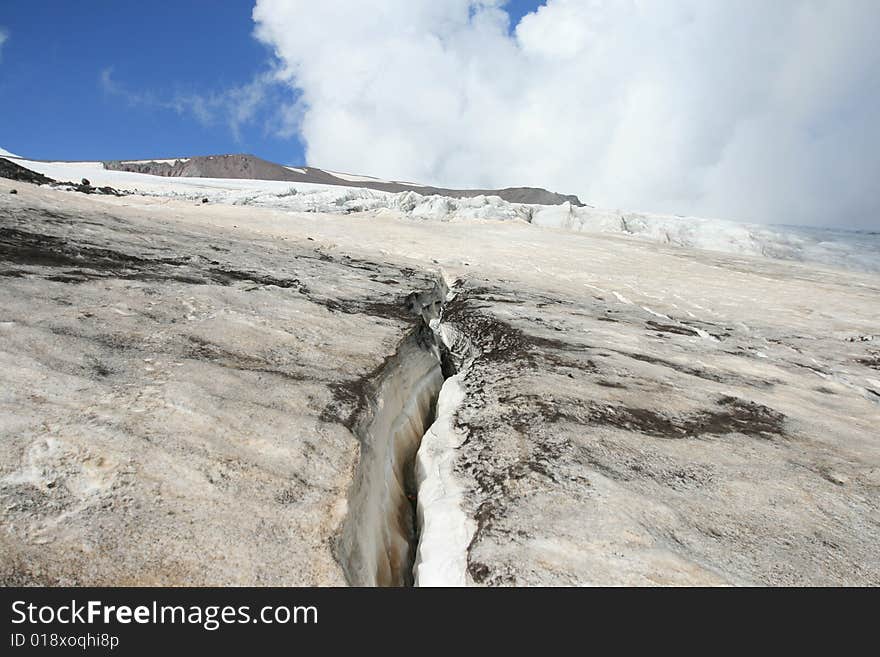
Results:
x,y
380,536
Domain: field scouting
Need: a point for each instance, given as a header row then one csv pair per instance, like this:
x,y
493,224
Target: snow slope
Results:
x,y
637,414
251,167
835,248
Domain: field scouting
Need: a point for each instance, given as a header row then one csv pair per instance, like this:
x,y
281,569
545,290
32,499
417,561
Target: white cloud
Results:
x,y
745,109
4,37
234,107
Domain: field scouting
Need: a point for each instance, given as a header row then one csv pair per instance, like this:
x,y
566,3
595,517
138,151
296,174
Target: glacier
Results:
x,y
626,399
836,248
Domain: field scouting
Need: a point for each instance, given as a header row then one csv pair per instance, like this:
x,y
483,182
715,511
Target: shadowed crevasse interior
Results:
x,y
378,539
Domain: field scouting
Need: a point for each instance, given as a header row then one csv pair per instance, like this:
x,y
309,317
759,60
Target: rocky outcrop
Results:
x,y
14,171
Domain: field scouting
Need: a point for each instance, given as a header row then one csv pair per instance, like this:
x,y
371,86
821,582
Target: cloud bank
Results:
x,y
743,109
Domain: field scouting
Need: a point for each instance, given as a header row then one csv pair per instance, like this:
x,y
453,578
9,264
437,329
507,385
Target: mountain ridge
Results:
x,y
247,166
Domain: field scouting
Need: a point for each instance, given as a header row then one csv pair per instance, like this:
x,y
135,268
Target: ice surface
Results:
x,y
445,528
856,250
632,412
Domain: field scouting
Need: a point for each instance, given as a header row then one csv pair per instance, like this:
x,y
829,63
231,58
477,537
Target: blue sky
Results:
x,y
104,79
748,110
